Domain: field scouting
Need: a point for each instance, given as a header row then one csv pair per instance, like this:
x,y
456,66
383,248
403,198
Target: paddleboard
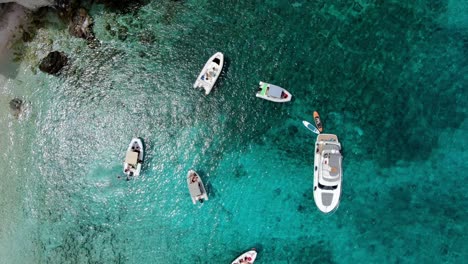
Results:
x,y
311,127
318,123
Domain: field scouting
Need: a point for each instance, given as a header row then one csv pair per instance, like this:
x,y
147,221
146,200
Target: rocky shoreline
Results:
x,y
21,22
73,13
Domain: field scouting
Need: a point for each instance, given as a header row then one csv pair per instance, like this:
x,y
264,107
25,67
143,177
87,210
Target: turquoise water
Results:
x,y
388,78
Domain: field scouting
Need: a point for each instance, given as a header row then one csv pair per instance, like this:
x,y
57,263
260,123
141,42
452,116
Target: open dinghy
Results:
x,y
210,73
196,187
327,172
273,93
133,158
246,258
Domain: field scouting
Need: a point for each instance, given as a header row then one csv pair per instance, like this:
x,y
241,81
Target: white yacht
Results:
x,y
327,172
210,73
133,158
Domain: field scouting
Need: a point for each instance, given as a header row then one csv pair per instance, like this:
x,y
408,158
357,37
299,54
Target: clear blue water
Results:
x,y
388,78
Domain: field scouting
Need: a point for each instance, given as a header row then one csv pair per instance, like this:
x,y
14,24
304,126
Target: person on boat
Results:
x,y
246,260
317,122
128,176
194,178
135,147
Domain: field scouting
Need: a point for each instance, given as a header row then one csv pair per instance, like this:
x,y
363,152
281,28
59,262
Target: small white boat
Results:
x,y
133,158
246,258
210,73
196,187
273,93
310,127
327,172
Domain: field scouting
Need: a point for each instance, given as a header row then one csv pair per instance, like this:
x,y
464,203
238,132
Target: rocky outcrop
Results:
x,y
81,25
53,62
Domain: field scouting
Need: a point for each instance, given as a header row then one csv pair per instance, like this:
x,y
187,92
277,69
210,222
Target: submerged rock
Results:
x,y
122,33
146,37
16,104
124,6
27,36
53,62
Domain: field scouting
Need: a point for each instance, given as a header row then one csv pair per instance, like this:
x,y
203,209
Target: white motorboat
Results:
x,y
210,73
196,188
246,258
273,93
327,172
133,158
